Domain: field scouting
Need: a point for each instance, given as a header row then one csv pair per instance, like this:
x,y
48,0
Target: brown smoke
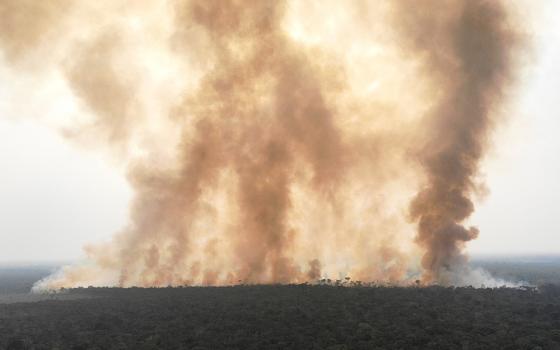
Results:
x,y
467,51
265,144
26,24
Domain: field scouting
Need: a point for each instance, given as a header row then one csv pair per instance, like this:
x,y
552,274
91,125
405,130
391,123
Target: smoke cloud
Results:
x,y
468,53
276,141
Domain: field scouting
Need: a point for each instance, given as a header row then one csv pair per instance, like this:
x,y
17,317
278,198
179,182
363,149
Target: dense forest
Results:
x,y
286,317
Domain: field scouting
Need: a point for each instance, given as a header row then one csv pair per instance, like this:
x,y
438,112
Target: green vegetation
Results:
x,y
287,317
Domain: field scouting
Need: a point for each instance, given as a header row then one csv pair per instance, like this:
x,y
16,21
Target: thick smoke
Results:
x,y
265,144
25,24
467,50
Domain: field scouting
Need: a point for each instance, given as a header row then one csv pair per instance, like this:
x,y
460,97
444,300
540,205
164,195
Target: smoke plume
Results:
x,y
468,53
275,141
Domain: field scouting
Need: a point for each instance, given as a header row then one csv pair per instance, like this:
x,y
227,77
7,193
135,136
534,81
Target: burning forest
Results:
x,y
276,141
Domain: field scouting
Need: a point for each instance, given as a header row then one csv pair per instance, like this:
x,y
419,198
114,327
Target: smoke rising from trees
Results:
x,y
272,141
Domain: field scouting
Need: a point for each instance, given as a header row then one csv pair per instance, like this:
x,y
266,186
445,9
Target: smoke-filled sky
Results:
x,y
101,129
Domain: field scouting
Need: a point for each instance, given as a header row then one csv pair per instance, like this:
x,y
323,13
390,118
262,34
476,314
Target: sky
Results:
x,y
55,197
522,212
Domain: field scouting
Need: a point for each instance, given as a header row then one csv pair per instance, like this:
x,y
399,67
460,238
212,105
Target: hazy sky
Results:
x,y
54,197
522,212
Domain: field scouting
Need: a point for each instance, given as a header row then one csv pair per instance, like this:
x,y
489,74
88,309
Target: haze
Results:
x,y
55,197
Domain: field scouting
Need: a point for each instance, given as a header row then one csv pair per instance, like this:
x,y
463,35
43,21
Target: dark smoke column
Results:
x,y
466,48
